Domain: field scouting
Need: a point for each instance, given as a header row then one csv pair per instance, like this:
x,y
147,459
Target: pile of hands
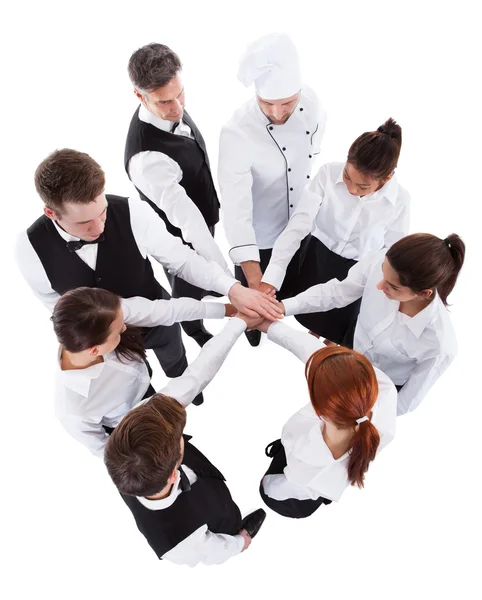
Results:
x,y
256,305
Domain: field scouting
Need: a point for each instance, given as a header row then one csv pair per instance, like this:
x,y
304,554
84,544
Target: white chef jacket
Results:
x,y
263,169
152,239
412,351
202,545
311,470
350,226
158,176
86,399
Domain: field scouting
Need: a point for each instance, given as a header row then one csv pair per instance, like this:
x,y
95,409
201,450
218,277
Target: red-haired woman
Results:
x,y
352,208
330,443
403,327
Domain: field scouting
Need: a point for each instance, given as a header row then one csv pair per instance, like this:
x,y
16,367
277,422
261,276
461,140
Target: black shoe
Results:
x,y
252,522
254,337
199,399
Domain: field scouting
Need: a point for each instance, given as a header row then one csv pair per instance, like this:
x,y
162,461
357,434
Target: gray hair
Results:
x,y
152,67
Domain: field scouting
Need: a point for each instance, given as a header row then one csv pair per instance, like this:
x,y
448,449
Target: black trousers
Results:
x,y
322,265
166,342
291,507
291,281
181,288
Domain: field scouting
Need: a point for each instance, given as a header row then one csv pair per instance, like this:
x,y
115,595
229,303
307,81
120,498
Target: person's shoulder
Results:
x,y
403,195
442,331
243,115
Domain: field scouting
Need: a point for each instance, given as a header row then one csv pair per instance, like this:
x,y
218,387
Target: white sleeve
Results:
x,y
200,372
386,416
34,273
153,239
401,225
300,343
205,547
421,379
92,435
235,181
333,293
299,226
150,313
158,177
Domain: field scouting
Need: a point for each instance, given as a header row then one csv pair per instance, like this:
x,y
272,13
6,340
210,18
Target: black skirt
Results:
x,y
291,507
322,265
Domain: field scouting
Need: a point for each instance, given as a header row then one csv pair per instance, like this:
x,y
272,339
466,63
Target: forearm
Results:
x,y
252,272
300,343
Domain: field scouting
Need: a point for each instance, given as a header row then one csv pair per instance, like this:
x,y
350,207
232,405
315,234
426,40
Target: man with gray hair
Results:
x,y
166,159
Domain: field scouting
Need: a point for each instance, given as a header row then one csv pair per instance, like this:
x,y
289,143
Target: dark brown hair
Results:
x,y
376,153
82,318
426,262
68,176
144,448
152,67
343,388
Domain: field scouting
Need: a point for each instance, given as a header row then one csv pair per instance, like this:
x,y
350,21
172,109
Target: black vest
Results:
x,y
208,501
190,154
120,267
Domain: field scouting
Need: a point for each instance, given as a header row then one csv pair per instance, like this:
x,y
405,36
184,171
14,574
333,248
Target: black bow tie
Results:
x,y
74,246
184,484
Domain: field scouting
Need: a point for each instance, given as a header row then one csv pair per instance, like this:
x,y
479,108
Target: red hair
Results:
x,y
343,388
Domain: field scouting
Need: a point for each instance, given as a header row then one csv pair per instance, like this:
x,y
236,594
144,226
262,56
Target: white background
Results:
x,y
415,529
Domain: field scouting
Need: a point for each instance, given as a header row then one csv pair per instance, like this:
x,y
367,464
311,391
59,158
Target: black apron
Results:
x,y
322,265
291,507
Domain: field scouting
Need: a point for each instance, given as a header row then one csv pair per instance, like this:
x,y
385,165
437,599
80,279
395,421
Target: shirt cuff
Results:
x,y
274,275
291,306
225,283
240,254
214,310
237,325
240,542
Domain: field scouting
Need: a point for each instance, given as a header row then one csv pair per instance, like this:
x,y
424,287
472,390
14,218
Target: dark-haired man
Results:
x,y
179,499
87,238
167,161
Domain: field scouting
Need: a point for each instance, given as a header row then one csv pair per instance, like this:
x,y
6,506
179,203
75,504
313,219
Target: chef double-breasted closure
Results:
x,y
263,169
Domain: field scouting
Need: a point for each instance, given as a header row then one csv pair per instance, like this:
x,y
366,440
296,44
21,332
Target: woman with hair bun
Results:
x,y
403,327
329,444
352,208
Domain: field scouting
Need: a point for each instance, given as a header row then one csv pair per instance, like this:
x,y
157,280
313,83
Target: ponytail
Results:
x,y
343,388
363,449
425,262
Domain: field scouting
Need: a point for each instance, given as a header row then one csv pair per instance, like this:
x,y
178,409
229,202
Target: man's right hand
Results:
x,y
253,303
247,539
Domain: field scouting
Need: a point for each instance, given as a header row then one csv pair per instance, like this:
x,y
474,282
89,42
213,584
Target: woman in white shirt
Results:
x,y
330,443
403,327
102,370
352,209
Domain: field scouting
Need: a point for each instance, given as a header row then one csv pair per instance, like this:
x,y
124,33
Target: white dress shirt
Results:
x,y
158,177
412,351
263,169
350,226
86,399
152,239
202,545
311,470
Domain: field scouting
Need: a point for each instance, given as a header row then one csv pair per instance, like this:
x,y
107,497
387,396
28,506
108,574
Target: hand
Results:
x,y
264,325
252,303
247,539
251,322
266,288
230,310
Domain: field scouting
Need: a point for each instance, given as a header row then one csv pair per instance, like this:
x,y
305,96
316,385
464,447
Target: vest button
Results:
x,y
99,279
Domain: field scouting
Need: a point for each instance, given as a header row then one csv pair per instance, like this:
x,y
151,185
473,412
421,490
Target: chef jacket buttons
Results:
x,y
291,206
271,127
291,189
289,170
307,177
307,133
283,148
310,156
301,109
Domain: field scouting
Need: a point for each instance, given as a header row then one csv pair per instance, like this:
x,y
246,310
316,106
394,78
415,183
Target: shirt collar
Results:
x,y
148,117
388,191
63,234
419,322
78,380
163,502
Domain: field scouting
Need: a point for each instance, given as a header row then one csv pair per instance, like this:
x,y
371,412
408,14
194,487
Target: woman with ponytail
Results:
x,y
352,208
102,370
330,443
403,327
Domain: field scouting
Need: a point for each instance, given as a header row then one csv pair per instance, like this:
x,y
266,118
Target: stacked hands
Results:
x,y
256,307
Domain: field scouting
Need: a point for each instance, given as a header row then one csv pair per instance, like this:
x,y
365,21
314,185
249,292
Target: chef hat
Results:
x,y
273,65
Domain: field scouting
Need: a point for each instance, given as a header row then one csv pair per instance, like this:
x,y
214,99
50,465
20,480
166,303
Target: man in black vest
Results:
x,y
74,244
167,161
